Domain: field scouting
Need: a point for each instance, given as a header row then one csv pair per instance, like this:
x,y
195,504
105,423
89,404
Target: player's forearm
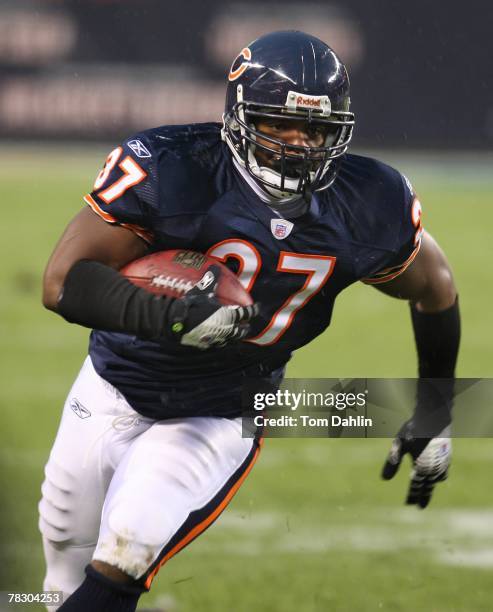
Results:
x,y
97,296
437,336
435,313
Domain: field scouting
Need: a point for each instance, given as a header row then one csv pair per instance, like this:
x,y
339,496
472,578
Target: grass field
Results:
x,y
313,528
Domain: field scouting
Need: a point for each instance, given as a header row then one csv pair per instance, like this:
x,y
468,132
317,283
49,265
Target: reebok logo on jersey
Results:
x,y
81,411
280,228
138,148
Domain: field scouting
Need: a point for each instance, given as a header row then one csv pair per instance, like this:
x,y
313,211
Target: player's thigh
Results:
x,y
96,428
172,483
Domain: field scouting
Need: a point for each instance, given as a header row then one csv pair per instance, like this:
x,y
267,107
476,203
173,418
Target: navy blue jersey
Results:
x,y
177,187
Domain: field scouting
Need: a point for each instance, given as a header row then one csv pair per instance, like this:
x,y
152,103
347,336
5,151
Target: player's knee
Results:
x,y
133,538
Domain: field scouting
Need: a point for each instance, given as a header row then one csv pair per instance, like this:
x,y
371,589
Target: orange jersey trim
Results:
x,y
198,529
88,199
389,274
137,229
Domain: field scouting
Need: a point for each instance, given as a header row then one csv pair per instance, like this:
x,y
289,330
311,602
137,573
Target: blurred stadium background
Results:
x,y
313,529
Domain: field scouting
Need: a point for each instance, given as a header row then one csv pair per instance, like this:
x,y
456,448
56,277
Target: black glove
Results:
x,y
430,457
198,319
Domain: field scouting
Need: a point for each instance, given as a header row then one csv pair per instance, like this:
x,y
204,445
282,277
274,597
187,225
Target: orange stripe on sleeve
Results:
x,y
137,229
140,231
98,210
383,277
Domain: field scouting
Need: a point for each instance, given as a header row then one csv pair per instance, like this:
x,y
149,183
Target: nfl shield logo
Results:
x,y
280,228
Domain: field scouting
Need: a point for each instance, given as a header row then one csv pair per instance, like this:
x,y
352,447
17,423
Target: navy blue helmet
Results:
x,y
289,76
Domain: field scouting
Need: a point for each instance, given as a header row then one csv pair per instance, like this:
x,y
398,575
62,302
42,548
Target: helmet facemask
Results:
x,y
286,170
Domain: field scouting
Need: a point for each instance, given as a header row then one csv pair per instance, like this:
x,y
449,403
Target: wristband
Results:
x,y
437,338
97,296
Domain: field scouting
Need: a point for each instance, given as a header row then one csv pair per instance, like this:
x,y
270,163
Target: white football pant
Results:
x,y
131,491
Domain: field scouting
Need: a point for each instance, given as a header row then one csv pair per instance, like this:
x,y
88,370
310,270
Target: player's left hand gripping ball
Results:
x,y
198,319
431,461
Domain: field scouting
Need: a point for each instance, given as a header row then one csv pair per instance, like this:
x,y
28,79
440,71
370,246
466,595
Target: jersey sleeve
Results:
x,y
123,191
409,239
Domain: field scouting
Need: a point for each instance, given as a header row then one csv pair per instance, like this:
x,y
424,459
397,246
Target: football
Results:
x,y
173,273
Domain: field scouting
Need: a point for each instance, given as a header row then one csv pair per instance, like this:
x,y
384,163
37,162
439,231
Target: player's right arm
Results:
x,y
82,283
88,237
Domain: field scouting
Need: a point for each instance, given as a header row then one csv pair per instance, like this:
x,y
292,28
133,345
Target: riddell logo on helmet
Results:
x,y
297,100
313,102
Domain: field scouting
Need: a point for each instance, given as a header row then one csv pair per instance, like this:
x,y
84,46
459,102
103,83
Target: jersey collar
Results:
x,y
288,208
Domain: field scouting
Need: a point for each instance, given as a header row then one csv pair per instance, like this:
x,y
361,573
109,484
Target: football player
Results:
x,y
149,450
